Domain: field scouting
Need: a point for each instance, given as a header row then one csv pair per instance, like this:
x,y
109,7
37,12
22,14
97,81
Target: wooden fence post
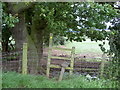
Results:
x,y
24,59
64,65
72,60
49,55
102,66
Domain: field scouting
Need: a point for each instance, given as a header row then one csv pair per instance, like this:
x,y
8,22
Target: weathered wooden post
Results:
x,y
64,65
24,59
49,55
72,60
102,66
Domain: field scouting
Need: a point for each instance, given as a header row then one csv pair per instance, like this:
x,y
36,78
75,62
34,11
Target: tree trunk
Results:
x,y
34,54
5,46
19,32
35,42
21,35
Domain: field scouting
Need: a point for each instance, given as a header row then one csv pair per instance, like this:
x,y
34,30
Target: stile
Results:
x,y
24,59
56,57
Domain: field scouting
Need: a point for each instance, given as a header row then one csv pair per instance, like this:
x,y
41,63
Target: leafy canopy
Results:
x,y
63,18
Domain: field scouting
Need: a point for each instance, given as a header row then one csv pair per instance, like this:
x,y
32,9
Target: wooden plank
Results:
x,y
64,65
54,66
57,66
49,55
61,74
72,60
24,59
85,69
64,49
65,58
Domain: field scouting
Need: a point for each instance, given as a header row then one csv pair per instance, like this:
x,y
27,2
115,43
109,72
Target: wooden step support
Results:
x,y
64,65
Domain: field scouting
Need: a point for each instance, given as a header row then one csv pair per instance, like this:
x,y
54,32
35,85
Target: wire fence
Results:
x,y
12,61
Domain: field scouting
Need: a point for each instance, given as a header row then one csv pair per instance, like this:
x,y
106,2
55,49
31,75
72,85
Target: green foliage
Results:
x,y
114,52
49,18
59,18
57,40
91,18
14,80
8,22
114,39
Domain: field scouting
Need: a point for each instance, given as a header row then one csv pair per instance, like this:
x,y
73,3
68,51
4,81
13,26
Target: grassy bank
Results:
x,y
15,80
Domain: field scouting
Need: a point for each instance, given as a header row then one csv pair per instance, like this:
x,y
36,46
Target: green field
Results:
x,y
15,80
87,46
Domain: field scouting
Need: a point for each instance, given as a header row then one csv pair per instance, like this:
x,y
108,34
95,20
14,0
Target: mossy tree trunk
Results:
x,y
35,44
21,35
19,32
34,40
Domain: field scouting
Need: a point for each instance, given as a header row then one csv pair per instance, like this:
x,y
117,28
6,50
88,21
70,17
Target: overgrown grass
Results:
x,y
15,80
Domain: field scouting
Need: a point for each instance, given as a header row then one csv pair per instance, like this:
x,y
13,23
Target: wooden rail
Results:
x,y
64,49
65,58
57,66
